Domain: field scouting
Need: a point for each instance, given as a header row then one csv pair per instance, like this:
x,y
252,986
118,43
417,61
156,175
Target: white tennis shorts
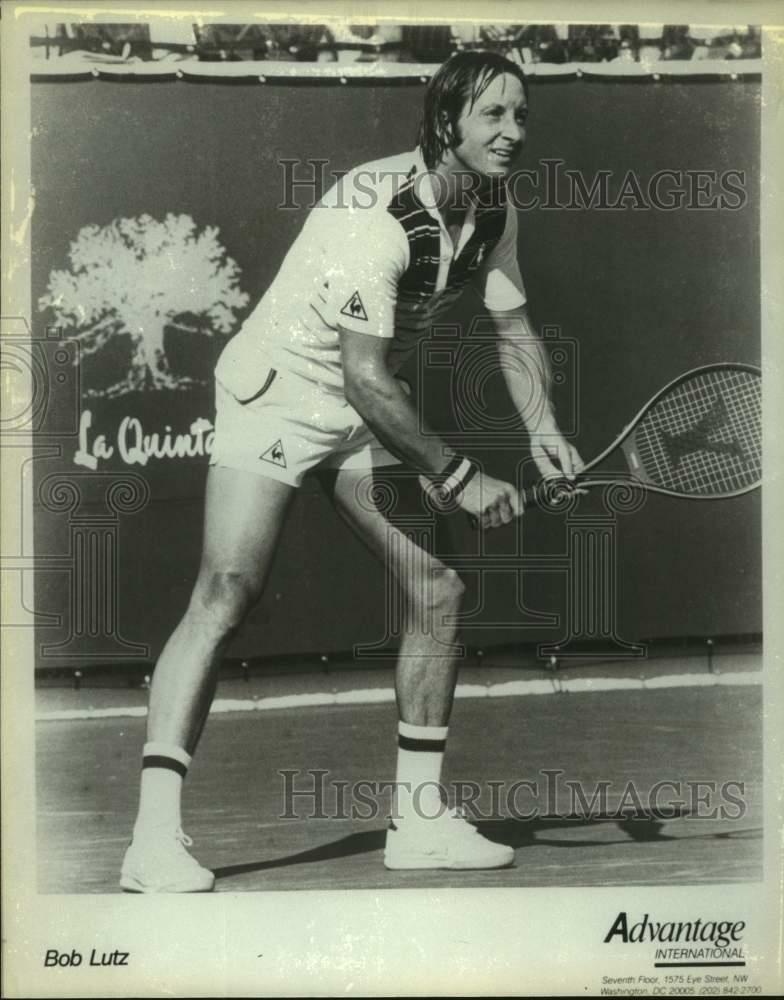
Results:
x,y
282,425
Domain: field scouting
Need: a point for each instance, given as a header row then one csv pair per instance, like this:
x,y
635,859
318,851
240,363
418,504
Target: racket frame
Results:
x,y
585,481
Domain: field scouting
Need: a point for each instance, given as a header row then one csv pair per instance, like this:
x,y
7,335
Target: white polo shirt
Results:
x,y
374,257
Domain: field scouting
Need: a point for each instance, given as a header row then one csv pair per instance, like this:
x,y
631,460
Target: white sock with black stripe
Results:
x,y
420,755
164,766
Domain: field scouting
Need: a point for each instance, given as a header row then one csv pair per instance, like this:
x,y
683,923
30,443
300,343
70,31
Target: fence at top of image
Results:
x,y
211,50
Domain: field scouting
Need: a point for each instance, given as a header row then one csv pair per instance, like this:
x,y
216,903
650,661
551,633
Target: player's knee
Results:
x,y
223,599
445,588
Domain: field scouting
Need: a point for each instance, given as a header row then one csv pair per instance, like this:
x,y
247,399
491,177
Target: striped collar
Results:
x,y
424,194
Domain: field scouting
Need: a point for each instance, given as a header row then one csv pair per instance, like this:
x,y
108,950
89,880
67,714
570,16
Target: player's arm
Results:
x,y
524,360
386,408
526,369
383,403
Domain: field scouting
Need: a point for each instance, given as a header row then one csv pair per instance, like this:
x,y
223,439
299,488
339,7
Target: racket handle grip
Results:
x,y
541,495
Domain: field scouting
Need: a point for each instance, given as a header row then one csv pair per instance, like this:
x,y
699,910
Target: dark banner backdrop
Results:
x,y
639,295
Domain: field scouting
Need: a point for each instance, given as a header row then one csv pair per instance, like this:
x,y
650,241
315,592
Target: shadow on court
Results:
x,y
516,833
255,838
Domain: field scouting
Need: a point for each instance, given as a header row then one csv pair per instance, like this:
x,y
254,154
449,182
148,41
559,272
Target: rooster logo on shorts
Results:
x,y
275,455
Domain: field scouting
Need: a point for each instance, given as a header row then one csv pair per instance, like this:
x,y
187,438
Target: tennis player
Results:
x,y
309,384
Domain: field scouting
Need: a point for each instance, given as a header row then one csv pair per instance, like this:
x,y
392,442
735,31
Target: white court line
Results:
x,y
369,696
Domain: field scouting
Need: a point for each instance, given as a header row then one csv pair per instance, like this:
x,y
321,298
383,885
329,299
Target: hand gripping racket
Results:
x,y
700,438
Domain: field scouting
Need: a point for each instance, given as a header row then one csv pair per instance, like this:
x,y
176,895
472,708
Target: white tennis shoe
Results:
x,y
161,863
446,841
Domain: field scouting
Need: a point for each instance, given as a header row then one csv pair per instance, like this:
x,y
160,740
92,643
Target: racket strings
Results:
x,y
704,436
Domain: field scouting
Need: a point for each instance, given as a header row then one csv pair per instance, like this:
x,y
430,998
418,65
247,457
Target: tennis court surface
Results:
x,y
612,746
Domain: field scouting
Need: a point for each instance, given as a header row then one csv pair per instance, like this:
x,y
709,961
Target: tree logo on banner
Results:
x,y
134,279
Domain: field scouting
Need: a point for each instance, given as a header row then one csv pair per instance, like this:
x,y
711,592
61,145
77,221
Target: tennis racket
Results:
x,y
699,438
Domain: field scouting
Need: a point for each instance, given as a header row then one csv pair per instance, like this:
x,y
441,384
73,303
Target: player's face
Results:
x,y
491,132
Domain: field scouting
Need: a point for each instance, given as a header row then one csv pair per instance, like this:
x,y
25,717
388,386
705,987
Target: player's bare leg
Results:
x,y
243,517
425,680
426,667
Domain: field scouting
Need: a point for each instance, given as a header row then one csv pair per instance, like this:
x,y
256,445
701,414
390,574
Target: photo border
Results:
x,y
399,942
